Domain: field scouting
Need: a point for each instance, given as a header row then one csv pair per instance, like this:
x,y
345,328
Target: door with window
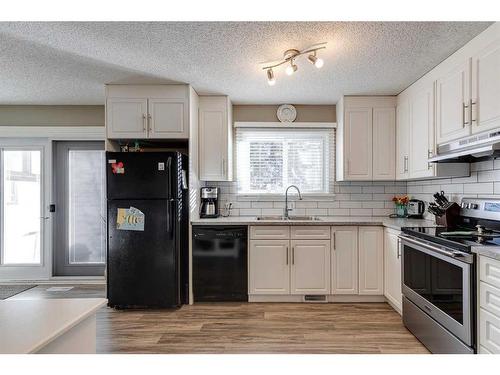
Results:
x,y
23,216
80,207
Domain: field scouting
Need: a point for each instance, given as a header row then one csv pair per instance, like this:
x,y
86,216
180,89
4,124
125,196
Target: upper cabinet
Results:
x,y
468,88
366,138
147,111
215,138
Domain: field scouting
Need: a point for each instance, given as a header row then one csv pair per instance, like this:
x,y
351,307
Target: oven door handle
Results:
x,y
451,254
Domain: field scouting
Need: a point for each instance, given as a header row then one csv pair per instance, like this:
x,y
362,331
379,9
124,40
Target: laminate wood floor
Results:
x,y
342,328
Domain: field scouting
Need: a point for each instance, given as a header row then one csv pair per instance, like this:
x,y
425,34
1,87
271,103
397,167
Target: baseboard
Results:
x,y
394,306
330,298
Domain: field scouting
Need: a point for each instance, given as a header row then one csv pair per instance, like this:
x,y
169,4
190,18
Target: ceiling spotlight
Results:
x,y
288,59
270,77
290,69
318,63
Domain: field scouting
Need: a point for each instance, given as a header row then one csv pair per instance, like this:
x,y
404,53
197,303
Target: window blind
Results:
x,y
269,160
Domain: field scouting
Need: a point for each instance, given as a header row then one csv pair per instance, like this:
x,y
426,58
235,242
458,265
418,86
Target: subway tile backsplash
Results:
x,y
348,199
367,198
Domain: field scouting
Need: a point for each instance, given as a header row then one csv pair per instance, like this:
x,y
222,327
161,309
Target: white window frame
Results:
x,y
276,126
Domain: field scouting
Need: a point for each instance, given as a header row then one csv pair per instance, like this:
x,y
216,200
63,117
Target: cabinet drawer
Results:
x,y
489,298
489,331
489,271
270,232
310,232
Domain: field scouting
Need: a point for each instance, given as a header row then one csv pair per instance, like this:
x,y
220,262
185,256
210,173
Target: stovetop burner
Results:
x,y
460,238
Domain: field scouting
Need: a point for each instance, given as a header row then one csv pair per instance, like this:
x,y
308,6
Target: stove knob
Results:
x,y
463,205
474,206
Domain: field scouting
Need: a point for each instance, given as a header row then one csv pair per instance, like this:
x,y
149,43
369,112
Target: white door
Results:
x,y
167,118
310,271
402,140
452,103
269,267
344,256
421,131
392,269
384,143
24,215
126,118
358,143
213,140
371,260
486,89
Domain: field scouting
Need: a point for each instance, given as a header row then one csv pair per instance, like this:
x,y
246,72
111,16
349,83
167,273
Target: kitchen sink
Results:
x,y
290,218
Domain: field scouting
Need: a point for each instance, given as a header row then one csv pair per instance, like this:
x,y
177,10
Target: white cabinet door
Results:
x,y
486,88
126,118
371,260
452,103
384,143
402,139
358,144
310,271
392,269
269,269
215,139
168,118
344,256
489,331
421,131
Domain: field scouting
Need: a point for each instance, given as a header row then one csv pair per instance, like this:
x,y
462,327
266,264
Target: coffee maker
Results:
x,y
209,205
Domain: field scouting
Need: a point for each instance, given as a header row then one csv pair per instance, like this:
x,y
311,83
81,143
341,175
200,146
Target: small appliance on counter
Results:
x,y
415,209
209,203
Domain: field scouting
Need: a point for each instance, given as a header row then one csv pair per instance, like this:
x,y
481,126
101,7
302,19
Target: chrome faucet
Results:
x,y
286,199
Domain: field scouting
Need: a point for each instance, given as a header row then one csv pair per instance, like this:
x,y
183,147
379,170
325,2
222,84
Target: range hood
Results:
x,y
474,148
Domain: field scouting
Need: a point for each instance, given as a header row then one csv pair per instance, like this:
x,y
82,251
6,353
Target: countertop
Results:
x,y
385,221
26,326
487,251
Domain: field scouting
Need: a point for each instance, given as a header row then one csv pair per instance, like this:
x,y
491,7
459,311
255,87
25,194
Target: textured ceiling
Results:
x,y
69,62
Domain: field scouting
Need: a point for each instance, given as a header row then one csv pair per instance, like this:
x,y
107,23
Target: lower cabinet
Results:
x,y
392,269
371,260
344,265
310,268
269,267
489,305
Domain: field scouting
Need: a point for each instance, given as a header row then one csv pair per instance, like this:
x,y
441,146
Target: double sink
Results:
x,y
289,218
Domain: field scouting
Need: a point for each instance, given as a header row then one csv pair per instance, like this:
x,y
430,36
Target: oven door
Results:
x,y
439,284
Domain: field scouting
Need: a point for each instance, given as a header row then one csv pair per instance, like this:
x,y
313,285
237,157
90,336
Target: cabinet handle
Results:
x,y
472,119
399,248
334,241
287,255
464,107
149,122
144,121
293,255
405,164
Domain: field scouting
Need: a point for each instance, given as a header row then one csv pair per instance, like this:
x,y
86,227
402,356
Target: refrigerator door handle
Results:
x,y
169,177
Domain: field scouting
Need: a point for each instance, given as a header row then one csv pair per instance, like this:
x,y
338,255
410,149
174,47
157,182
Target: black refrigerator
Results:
x,y
147,224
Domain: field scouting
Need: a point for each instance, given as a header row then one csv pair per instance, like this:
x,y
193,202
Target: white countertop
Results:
x,y
26,326
396,223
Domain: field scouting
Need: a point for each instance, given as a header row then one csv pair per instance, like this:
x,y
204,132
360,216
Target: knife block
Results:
x,y
450,216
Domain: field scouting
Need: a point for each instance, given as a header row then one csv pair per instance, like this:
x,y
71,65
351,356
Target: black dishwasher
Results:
x,y
220,263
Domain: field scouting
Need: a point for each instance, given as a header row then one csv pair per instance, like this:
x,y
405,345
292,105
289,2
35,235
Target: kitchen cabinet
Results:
x,y
402,139
371,260
310,267
453,103
147,111
485,110
421,104
392,269
215,138
299,266
269,267
344,260
366,144
489,305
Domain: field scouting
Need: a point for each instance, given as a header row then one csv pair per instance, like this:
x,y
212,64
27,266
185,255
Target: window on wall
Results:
x,y
269,160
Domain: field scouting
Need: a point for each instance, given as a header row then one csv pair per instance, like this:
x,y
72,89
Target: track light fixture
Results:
x,y
289,57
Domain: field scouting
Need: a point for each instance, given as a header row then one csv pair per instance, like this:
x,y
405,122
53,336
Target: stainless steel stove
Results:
x,y
439,276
